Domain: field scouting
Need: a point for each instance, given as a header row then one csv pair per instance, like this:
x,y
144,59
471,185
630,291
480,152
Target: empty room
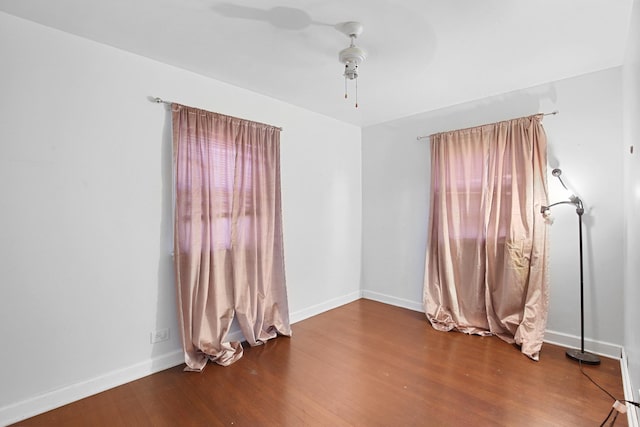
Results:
x,y
356,213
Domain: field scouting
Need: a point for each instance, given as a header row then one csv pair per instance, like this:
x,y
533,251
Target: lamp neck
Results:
x,y
575,201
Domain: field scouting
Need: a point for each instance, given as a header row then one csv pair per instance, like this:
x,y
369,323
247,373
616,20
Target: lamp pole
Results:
x,y
575,354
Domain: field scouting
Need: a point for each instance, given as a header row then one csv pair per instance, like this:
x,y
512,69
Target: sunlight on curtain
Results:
x,y
487,253
228,242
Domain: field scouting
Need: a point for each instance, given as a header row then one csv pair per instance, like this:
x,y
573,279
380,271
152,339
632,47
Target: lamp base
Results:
x,y
584,357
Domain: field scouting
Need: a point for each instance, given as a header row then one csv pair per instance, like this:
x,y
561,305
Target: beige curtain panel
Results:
x,y
228,244
486,264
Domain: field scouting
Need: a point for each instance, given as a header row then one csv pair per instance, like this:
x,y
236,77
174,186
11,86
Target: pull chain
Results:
x,y
356,92
350,75
345,82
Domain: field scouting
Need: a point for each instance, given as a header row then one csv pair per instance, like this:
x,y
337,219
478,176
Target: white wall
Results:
x,y
585,141
631,85
86,211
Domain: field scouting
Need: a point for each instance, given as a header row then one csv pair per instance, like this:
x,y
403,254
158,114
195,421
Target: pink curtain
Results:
x,y
487,252
228,244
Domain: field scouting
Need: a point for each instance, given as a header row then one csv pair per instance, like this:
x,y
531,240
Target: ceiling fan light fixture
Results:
x,y
351,56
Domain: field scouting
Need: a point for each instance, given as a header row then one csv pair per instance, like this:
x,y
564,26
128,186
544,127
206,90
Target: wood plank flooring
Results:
x,y
362,364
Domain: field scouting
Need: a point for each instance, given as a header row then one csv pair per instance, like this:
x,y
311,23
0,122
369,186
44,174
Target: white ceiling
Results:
x,y
423,54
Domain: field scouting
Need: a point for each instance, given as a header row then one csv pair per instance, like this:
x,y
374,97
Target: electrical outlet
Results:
x,y
159,335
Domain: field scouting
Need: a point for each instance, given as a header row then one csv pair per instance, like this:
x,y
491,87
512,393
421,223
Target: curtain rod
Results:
x,y
162,101
553,113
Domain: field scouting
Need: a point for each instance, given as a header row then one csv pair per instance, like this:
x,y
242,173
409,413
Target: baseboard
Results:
x,y
56,398
632,412
552,337
391,300
62,396
601,348
45,402
314,310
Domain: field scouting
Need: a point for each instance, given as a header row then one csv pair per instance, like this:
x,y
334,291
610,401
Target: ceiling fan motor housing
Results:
x,y
351,57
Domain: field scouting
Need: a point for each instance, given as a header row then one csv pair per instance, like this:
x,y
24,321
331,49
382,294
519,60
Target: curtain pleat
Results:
x,y
486,259
229,255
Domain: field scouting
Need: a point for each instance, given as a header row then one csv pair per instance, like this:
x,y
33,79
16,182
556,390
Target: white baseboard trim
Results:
x,y
314,310
38,404
552,337
54,399
391,300
632,411
45,402
235,334
601,348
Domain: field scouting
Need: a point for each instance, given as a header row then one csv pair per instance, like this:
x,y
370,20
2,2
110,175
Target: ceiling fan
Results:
x,y
351,56
289,18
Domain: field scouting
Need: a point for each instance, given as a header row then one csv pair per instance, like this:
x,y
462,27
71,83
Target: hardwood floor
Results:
x,y
362,364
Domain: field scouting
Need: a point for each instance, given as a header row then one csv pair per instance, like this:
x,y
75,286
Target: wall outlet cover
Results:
x,y
159,335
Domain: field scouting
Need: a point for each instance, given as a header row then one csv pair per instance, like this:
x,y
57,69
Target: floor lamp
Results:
x,y
574,354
